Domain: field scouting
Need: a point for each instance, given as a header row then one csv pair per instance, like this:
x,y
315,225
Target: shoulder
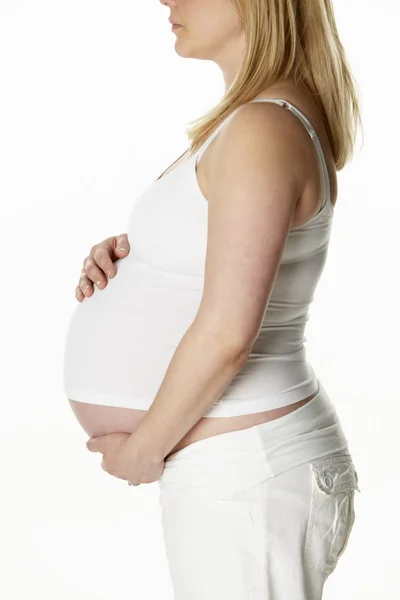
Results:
x,y
260,135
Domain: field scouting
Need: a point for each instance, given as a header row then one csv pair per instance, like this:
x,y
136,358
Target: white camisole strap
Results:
x,y
306,122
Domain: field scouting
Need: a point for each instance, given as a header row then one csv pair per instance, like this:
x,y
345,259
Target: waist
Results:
x,y
224,463
265,383
207,427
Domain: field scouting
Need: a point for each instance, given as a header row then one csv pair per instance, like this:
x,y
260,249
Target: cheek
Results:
x,y
210,34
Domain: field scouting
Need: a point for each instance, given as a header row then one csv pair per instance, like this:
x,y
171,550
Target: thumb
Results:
x,y
91,445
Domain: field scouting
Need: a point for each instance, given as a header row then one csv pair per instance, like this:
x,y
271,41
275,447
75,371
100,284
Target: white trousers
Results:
x,y
262,513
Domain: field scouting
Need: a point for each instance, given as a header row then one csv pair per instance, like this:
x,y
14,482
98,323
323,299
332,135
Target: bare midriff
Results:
x,y
99,420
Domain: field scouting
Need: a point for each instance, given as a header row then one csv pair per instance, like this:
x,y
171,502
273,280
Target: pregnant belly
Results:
x,y
99,420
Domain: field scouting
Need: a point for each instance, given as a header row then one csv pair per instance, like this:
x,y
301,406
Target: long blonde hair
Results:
x,y
295,39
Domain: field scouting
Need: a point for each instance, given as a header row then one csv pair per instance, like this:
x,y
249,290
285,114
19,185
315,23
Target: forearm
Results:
x,y
199,372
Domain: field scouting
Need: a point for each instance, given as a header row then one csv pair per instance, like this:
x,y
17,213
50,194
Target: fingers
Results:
x,y
85,286
79,294
122,245
92,274
100,264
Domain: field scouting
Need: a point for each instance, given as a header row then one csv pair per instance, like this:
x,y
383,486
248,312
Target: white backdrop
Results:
x,y
94,102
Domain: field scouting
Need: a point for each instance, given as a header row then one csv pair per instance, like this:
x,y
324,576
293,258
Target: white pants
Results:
x,y
262,513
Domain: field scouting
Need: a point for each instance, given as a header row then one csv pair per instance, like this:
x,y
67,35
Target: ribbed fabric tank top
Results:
x,y
122,339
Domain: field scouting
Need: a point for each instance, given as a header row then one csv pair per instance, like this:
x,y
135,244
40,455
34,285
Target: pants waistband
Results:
x,y
226,462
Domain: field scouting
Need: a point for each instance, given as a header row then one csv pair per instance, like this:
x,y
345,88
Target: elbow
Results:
x,y
241,347
230,343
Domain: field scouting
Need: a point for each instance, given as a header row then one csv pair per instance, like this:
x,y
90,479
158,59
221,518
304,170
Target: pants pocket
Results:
x,y
332,513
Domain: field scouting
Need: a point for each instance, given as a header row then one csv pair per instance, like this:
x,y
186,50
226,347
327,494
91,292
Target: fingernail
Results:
x,y
123,249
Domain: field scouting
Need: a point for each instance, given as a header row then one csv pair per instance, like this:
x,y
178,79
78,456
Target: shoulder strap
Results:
x,y
210,138
313,135
306,122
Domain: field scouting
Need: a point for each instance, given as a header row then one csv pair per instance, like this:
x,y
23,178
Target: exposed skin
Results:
x,y
211,30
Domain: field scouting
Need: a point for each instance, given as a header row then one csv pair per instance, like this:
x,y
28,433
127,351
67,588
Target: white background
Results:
x,y
94,102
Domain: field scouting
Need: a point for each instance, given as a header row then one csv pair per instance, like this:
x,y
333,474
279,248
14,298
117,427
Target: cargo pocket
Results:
x,y
332,513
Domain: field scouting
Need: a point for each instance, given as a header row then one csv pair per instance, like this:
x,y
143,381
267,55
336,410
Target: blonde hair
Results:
x,y
295,39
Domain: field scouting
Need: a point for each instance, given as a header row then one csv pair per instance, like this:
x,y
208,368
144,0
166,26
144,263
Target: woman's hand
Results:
x,y
100,263
123,460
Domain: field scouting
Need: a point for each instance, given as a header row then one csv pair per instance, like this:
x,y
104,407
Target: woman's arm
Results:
x,y
257,177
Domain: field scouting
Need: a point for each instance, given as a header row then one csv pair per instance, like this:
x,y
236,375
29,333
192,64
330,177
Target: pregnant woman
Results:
x,y
187,365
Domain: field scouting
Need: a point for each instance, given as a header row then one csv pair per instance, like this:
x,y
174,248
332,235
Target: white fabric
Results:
x,y
121,340
260,513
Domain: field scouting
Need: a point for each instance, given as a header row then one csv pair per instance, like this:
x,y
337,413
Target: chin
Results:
x,y
185,52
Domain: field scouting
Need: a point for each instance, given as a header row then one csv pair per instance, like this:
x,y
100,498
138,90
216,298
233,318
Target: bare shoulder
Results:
x,y
256,135
302,98
260,119
264,121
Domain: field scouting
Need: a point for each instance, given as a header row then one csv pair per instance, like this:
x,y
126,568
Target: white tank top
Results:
x,y
121,340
